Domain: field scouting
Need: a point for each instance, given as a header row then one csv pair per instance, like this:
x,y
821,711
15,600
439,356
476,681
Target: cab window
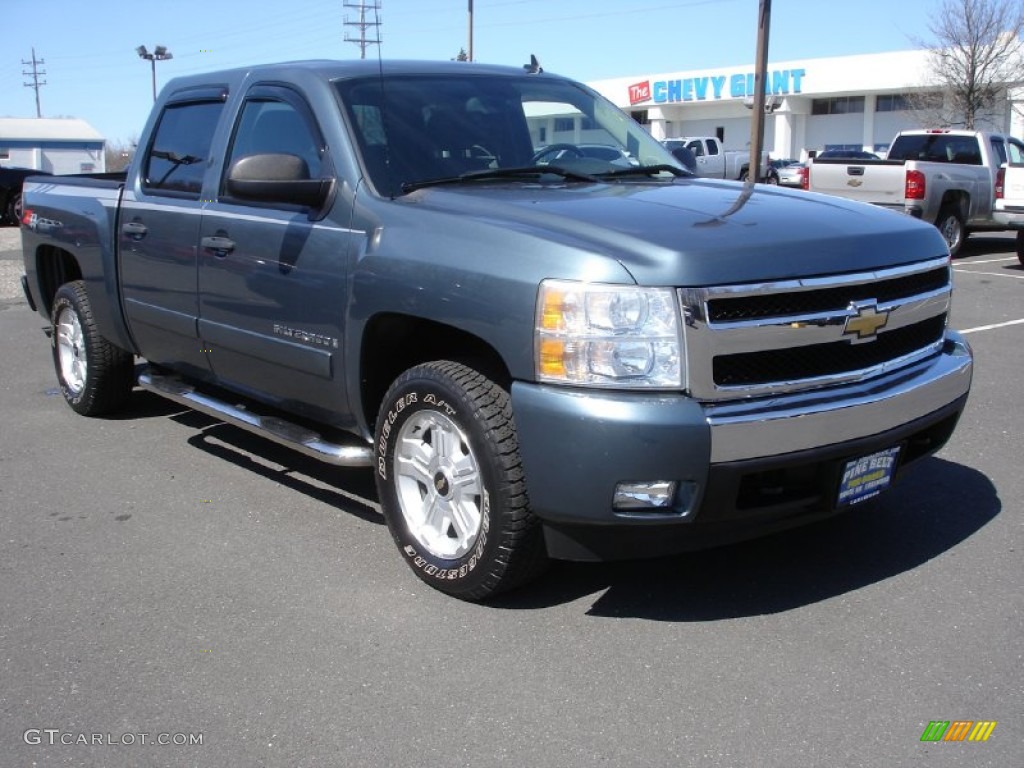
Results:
x,y
179,154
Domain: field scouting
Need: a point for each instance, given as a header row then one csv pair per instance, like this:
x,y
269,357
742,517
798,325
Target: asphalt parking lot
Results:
x,y
162,574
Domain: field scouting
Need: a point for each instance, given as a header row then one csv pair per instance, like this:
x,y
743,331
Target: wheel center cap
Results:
x,y
442,484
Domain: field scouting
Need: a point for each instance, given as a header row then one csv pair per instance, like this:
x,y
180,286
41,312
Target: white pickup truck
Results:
x,y
1009,208
943,176
714,161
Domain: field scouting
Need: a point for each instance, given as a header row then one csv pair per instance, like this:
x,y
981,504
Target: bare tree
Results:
x,y
976,51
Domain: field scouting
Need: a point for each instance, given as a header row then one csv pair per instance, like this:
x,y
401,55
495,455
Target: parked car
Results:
x,y
947,177
852,154
585,361
609,154
791,175
714,161
11,180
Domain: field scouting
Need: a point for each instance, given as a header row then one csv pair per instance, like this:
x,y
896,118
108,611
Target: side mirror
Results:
x,y
276,178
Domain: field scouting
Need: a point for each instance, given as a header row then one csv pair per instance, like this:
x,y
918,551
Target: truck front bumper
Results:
x,y
741,469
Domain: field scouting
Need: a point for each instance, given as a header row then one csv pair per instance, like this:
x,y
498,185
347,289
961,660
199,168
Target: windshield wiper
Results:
x,y
645,170
525,172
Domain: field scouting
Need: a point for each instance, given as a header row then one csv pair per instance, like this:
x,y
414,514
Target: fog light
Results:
x,y
653,494
655,499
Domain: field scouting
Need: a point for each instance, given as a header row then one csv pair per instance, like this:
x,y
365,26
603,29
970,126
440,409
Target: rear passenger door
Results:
x,y
159,231
273,275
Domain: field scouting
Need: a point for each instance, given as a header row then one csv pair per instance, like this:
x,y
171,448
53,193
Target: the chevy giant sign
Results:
x,y
715,88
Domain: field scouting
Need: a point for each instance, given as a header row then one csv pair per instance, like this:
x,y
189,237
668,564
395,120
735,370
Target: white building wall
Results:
x,y
695,102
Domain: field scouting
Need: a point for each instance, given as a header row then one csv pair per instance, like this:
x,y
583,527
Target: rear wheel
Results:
x,y
1020,246
95,377
451,485
12,210
951,224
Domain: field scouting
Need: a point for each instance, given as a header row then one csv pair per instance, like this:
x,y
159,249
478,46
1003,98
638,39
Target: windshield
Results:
x,y
417,128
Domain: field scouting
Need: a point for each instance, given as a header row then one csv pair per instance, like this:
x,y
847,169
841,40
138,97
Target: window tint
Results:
x,y
1015,150
999,149
276,127
180,151
936,147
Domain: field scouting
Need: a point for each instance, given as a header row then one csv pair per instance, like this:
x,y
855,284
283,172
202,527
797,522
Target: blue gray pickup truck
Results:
x,y
411,268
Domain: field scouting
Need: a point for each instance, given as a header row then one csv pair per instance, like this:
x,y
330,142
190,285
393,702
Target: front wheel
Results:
x,y
1020,246
450,482
951,224
95,377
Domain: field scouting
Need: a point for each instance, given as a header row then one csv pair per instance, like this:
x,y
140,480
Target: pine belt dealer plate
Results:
x,y
867,476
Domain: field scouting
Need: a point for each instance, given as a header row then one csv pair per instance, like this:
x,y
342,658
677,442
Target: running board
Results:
x,y
271,427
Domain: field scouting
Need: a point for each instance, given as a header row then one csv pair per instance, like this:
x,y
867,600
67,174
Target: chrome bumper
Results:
x,y
779,425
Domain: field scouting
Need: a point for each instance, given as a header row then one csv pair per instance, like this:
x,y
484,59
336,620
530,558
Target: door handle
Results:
x,y
135,229
221,246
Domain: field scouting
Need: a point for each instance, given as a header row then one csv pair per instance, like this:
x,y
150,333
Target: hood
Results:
x,y
697,232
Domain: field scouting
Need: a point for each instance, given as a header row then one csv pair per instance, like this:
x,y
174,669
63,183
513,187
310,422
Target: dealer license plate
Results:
x,y
867,476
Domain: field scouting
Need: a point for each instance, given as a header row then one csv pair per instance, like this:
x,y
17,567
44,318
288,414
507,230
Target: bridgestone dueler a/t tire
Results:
x,y
104,380
450,482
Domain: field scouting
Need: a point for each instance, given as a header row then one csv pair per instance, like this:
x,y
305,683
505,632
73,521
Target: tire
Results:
x,y
950,224
772,178
743,176
451,485
1020,246
95,377
15,209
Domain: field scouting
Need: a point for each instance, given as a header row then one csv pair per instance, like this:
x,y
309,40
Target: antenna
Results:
x,y
364,24
35,73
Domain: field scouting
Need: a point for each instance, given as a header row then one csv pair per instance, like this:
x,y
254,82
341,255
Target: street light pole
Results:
x,y
160,53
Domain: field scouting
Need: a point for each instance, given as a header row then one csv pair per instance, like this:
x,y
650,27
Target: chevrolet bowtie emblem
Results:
x,y
866,322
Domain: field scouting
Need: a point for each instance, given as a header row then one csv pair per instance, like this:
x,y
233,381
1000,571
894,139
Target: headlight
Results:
x,y
607,335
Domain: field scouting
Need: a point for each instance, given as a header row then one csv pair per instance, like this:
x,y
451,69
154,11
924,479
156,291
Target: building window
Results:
x,y
838,105
901,102
640,115
892,102
564,124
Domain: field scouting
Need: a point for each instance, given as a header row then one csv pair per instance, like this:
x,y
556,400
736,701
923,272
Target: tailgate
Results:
x,y
868,181
1013,188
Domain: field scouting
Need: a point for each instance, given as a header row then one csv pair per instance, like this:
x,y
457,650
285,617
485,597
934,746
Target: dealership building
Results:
x,y
847,102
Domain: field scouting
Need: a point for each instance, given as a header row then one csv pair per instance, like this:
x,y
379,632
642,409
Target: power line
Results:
x,y
364,24
35,73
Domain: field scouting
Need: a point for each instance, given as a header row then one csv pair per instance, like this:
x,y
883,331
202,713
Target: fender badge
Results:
x,y
867,322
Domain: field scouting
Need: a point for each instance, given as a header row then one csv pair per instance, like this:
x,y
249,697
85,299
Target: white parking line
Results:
x,y
989,261
994,325
992,274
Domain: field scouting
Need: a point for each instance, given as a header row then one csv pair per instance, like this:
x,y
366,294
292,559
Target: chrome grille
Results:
x,y
750,340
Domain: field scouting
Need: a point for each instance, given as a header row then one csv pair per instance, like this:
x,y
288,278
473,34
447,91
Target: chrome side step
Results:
x,y
271,427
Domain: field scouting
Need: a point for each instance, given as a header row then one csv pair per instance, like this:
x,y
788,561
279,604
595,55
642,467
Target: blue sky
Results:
x,y
93,72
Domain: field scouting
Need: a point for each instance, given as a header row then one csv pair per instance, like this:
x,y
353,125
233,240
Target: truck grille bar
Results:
x,y
764,339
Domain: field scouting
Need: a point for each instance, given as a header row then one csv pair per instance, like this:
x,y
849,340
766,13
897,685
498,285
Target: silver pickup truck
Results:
x,y
942,176
369,262
714,161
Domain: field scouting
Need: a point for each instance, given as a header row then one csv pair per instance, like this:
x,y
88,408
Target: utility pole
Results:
x,y
764,23
470,51
364,24
35,73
